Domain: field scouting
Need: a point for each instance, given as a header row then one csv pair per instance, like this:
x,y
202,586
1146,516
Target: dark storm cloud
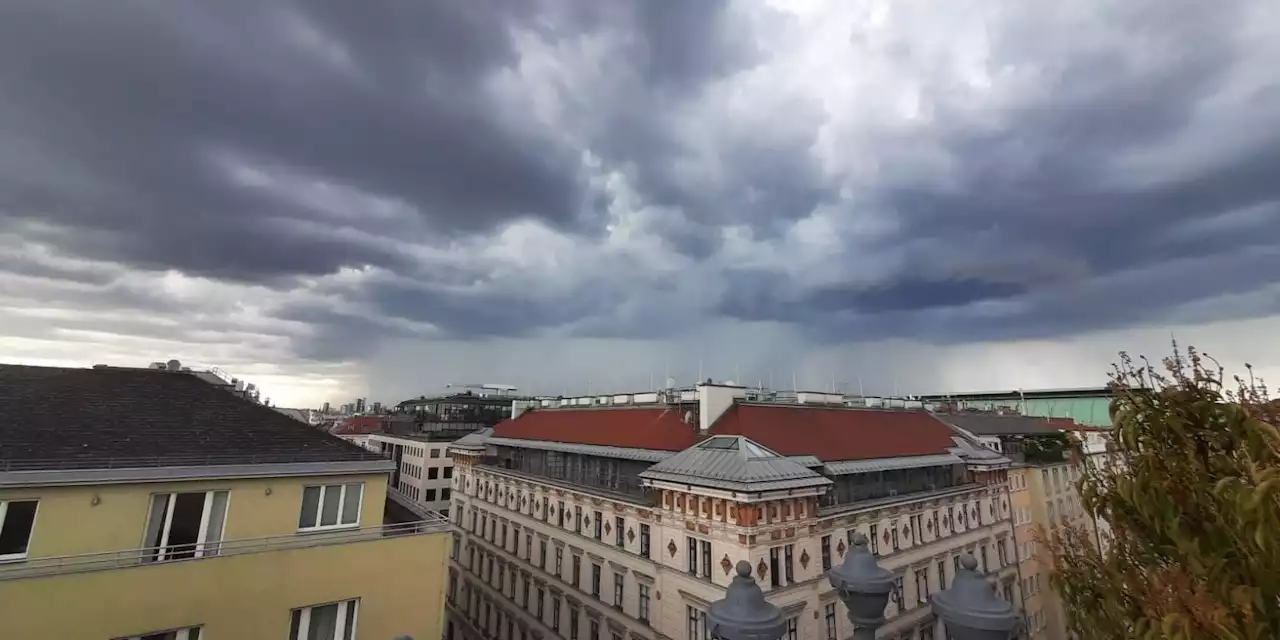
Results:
x,y
133,96
1043,182
123,125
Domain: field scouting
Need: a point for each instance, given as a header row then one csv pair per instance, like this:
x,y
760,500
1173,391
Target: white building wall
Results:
x,y
426,470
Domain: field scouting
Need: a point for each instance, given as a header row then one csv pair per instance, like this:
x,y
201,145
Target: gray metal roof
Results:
x,y
475,440
624,453
986,424
807,461
736,463
845,467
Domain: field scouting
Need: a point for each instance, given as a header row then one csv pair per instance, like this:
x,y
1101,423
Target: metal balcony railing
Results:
x,y
135,462
145,556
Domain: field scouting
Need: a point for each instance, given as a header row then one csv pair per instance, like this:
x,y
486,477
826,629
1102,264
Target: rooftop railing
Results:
x,y
211,459
145,556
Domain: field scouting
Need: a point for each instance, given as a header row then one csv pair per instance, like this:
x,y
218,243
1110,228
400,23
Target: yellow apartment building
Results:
x,y
151,505
1043,498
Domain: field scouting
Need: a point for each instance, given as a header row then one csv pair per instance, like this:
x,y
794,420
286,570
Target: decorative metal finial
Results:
x,y
970,608
744,614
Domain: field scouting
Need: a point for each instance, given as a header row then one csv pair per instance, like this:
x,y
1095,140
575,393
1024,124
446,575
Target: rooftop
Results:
x,y
990,424
823,432
734,462
664,428
1066,392
837,433
63,418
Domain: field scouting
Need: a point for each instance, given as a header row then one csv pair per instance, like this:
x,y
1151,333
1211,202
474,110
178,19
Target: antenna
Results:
x,y
793,381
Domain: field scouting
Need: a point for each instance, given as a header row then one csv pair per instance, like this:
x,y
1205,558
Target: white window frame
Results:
x,y
340,630
204,547
342,501
183,633
4,509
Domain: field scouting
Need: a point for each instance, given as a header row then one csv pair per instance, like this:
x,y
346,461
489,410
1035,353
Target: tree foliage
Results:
x,y
1046,448
1190,487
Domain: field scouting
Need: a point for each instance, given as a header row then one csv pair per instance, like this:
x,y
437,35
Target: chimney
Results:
x,y
518,407
714,399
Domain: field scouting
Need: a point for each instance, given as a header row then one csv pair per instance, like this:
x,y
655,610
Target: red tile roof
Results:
x,y
358,425
836,433
648,428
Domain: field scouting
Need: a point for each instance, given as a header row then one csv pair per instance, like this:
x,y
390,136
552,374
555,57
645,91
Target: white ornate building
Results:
x,y
621,517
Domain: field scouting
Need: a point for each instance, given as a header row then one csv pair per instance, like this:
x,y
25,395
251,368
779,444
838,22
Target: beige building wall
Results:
x,y
247,592
499,520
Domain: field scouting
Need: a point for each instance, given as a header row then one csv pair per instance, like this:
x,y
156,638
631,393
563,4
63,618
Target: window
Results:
x,y
560,514
331,506
793,629
433,473
546,509
573,623
643,614
620,523
922,585
826,553
595,580
431,495
644,540
1002,552
577,570
594,633
185,525
619,583
893,534
937,530
435,453
448,472
528,547
336,621
541,600
577,519
705,549
942,574
691,547
790,565
555,614
775,567
873,540
917,529
17,519
697,620
542,554
502,540
983,552
597,524
897,594
187,633
1008,592
559,562
830,616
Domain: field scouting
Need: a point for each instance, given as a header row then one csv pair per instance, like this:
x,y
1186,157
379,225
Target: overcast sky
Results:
x,y
335,198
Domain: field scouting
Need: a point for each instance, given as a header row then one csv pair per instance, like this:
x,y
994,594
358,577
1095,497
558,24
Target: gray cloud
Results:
x,y
496,170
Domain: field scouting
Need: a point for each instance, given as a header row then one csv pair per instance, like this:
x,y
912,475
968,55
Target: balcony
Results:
x,y
143,556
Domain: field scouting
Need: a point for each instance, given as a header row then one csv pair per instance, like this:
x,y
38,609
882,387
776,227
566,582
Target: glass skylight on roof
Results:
x,y
729,443
756,451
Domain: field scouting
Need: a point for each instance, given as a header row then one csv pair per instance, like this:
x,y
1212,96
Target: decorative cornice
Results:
x,y
697,601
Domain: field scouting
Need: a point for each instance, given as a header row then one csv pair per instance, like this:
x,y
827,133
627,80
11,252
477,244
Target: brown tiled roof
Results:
x,y
833,433
56,418
662,428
